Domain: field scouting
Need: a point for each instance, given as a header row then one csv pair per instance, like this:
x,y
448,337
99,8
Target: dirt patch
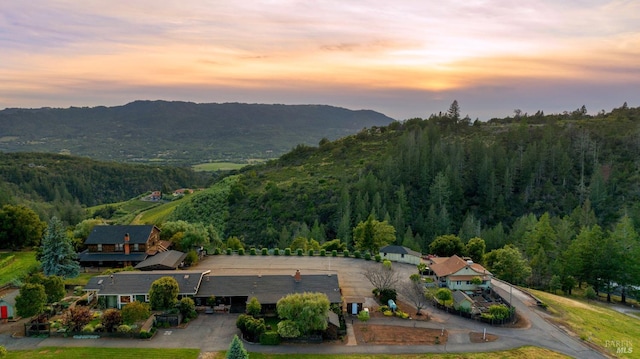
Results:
x,y
481,337
15,328
397,335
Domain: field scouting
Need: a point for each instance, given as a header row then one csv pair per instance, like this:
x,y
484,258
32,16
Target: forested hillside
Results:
x,y
541,183
441,175
63,185
178,133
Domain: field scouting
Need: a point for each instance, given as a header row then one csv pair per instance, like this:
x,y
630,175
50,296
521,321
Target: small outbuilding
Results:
x,y
7,305
400,254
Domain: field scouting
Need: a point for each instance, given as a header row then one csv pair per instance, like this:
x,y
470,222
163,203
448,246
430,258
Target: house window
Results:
x,y
136,247
99,247
458,282
402,255
119,247
124,299
141,298
468,282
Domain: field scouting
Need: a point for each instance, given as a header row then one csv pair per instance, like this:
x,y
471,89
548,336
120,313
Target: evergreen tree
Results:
x,y
236,349
373,234
58,256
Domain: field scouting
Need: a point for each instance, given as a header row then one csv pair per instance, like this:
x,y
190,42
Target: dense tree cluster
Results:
x,y
61,185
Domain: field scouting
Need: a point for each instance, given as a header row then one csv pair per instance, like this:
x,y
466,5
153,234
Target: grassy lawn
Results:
x,y
596,323
520,353
103,353
14,265
81,279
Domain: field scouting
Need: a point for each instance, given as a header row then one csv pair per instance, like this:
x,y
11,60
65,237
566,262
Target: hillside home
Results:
x,y
119,289
456,273
234,291
231,292
121,246
400,254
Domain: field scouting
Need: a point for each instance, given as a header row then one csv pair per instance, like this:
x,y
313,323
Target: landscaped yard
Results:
x,y
595,323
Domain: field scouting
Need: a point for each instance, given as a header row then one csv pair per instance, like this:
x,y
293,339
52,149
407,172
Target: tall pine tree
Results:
x,y
58,256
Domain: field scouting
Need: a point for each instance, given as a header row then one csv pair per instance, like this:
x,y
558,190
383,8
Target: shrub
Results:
x,y
383,308
250,327
499,311
334,253
323,253
387,294
229,251
111,319
124,328
77,290
252,251
345,253
356,254
98,328
241,251
76,318
145,334
310,254
270,338
88,328
287,251
299,252
276,251
135,311
216,251
191,258
187,308
265,251
401,314
253,307
378,258
367,256
387,313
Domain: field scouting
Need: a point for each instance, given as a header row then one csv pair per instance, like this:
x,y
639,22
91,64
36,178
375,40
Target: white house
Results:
x,y
457,273
400,254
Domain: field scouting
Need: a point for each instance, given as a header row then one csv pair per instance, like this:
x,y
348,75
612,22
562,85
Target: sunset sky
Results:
x,y
403,58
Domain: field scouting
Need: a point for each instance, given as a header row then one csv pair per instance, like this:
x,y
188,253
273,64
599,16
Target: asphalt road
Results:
x,y
214,332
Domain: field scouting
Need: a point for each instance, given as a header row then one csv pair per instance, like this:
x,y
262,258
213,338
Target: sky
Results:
x,y
405,58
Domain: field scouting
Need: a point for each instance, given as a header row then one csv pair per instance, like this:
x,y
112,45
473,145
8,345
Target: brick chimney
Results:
x,y
126,243
297,277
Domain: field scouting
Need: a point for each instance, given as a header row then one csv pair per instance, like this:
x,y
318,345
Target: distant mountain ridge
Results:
x,y
178,132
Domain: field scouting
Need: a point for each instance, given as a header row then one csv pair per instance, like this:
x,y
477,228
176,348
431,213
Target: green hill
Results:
x,y
440,175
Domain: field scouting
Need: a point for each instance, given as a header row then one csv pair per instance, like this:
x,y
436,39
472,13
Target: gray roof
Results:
x,y
399,250
268,289
115,234
87,256
459,296
163,260
140,282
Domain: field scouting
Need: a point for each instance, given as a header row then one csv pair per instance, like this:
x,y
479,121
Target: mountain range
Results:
x,y
178,132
